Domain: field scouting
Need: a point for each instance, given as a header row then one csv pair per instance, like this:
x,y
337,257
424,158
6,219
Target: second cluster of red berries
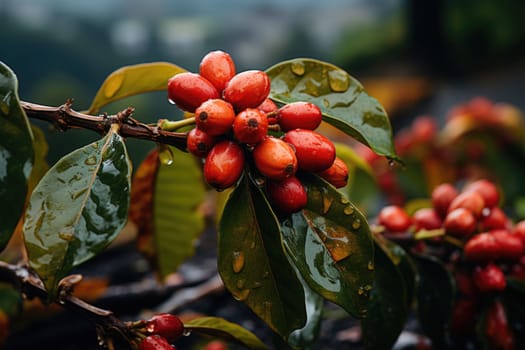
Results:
x,y
237,126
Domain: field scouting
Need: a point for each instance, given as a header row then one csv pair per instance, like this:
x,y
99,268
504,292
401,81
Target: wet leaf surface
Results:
x,y
78,208
252,262
16,155
342,99
330,244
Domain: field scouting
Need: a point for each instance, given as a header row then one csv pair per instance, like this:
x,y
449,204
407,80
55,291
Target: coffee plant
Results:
x,y
290,240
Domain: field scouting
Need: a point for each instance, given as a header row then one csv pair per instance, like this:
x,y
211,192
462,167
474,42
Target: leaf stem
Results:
x,y
173,125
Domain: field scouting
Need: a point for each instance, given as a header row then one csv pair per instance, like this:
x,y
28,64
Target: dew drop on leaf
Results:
x,y
240,283
348,210
370,266
356,224
237,261
338,80
298,68
241,295
91,160
344,200
113,85
186,332
165,155
5,103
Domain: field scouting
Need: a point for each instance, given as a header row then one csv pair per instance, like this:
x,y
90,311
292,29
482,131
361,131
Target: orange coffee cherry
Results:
x,y
250,126
215,117
218,68
287,196
315,152
247,89
189,90
336,174
275,159
299,115
199,142
224,164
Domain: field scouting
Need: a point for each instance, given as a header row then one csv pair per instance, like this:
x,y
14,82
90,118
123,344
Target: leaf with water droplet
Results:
x,y
61,229
228,331
342,99
16,155
332,256
271,288
386,313
132,80
165,206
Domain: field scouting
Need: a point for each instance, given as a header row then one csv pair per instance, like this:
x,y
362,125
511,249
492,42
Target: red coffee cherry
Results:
x,y
519,229
314,152
275,159
463,319
336,174
299,115
166,325
155,342
460,222
287,196
509,245
497,328
267,106
442,196
189,90
487,189
224,164
247,89
489,278
250,126
464,283
218,68
426,219
394,219
495,219
481,247
199,142
215,117
423,129
216,345
468,200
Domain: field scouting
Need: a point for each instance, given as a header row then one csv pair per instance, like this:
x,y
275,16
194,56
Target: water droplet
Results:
x,y
66,234
326,103
171,101
348,210
257,284
259,181
374,120
240,283
297,68
165,155
368,287
238,261
241,295
327,203
252,245
360,291
338,80
150,328
113,85
91,160
356,224
5,103
370,266
186,332
344,200
266,274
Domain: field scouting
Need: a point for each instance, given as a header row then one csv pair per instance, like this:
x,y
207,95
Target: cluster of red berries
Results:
x,y
160,331
234,121
493,248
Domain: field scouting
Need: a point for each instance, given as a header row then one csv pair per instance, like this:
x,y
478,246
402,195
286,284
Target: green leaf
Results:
x,y
16,155
386,314
330,243
77,208
220,328
252,262
10,300
177,218
435,293
133,80
342,99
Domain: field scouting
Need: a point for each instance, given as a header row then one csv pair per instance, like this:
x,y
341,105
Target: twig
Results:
x,y
64,117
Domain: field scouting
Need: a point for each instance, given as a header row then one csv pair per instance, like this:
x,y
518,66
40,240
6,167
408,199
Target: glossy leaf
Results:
x,y
386,314
252,262
16,155
133,80
177,216
329,241
77,208
220,328
435,293
342,99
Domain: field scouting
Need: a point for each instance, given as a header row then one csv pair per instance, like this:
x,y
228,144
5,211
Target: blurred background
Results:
x,y
415,57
